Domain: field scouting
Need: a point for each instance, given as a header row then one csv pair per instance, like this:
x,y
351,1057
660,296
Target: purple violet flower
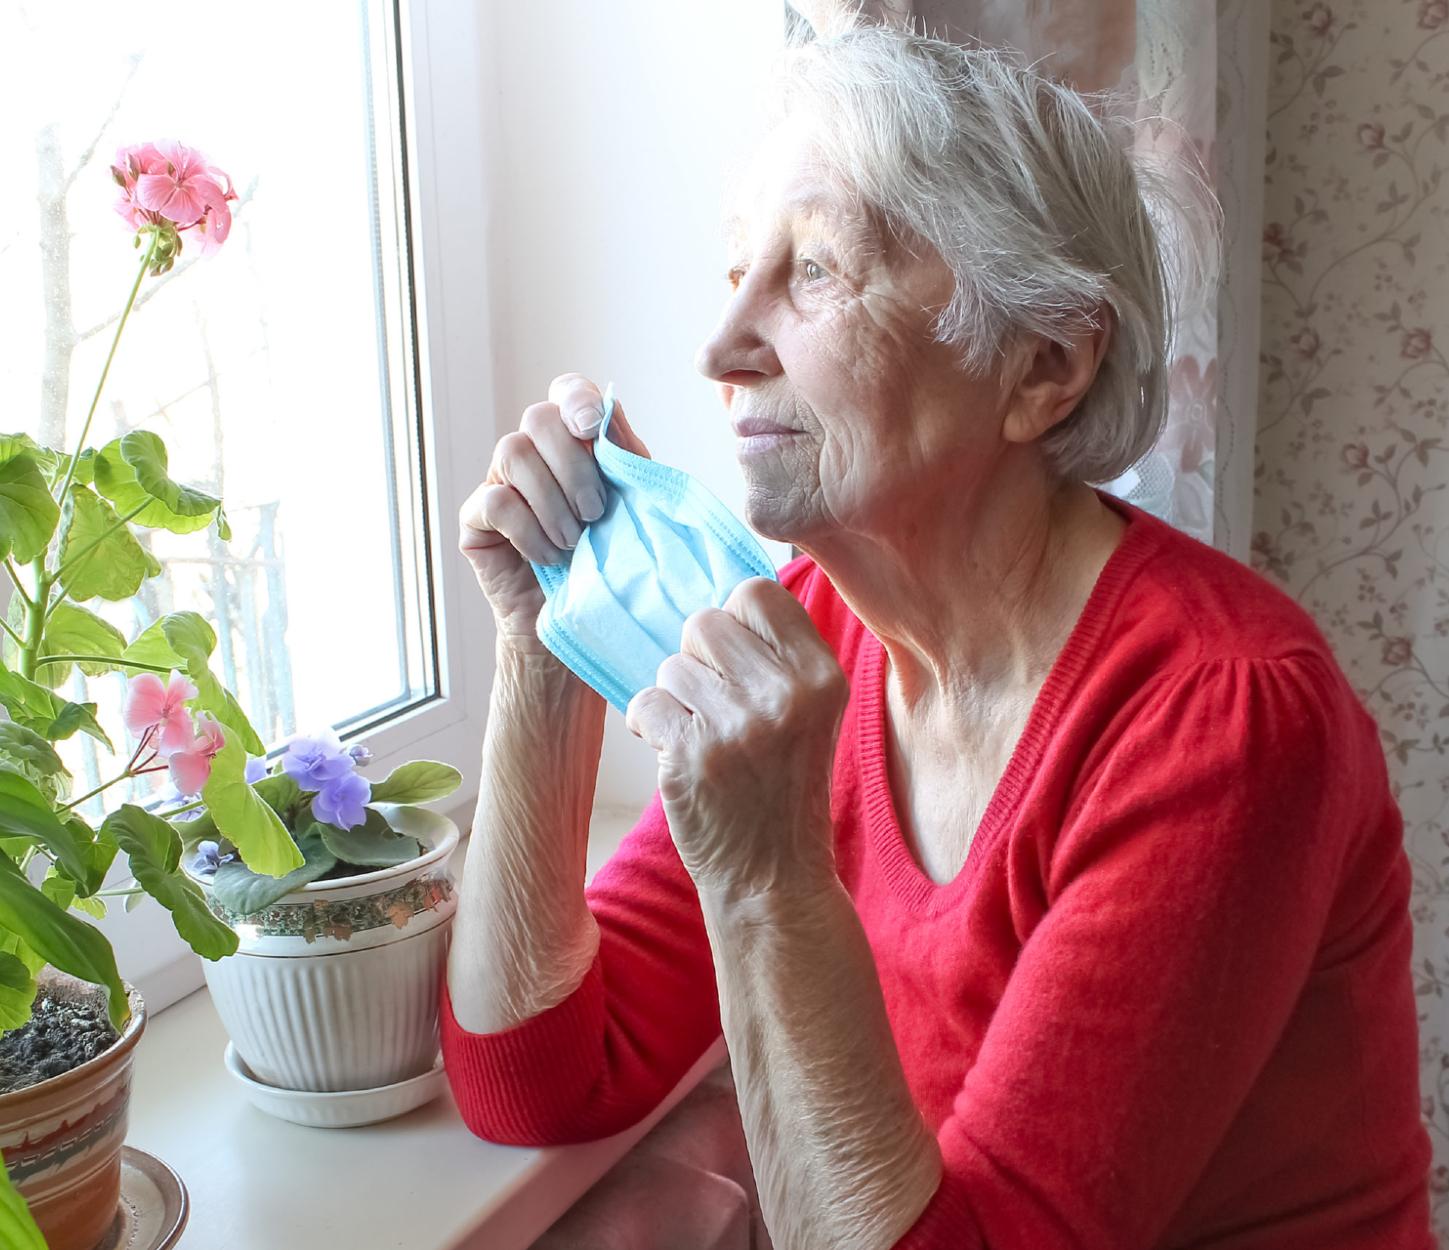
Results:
x,y
360,754
208,858
340,802
256,768
315,762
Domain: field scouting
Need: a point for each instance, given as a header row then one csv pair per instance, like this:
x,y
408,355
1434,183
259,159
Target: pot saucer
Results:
x,y
154,1206
338,1109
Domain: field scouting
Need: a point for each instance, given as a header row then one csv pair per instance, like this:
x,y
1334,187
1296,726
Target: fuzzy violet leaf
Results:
x,y
372,844
49,715
131,471
60,938
155,853
243,892
99,556
420,781
244,817
28,514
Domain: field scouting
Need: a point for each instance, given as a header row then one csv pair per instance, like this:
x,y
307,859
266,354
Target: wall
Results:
x,y
618,126
1352,515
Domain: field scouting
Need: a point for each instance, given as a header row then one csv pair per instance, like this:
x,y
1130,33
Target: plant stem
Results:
x,y
34,620
121,325
15,577
119,892
18,639
103,659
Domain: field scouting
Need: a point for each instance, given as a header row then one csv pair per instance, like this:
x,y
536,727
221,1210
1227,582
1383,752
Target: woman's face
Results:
x,y
849,416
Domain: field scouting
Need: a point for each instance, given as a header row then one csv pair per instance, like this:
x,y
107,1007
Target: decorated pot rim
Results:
x,y
420,822
316,917
117,1052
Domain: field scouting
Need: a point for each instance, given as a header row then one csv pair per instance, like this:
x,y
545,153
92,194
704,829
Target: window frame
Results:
x,y
436,108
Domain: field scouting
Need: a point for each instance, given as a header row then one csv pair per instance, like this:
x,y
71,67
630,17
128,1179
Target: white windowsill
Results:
x,y
420,1182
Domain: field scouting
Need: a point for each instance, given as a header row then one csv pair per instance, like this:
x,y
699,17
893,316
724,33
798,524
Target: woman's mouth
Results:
x,y
757,434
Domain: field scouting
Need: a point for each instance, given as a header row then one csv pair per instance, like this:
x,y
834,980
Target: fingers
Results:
x,y
658,717
570,461
495,514
580,403
517,462
715,638
780,621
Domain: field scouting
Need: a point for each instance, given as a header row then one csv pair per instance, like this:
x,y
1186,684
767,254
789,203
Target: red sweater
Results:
x,y
1166,1002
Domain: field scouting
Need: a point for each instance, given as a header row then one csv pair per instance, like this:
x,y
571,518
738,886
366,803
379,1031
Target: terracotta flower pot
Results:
x,y
62,1141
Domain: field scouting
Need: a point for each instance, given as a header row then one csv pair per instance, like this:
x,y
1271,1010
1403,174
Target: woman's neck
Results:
x,y
975,595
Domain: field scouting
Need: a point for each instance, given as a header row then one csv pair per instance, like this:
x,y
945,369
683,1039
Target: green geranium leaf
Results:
x,y
17,1226
155,852
60,938
150,647
190,637
372,844
244,817
26,813
99,557
73,630
237,888
131,470
27,512
12,445
17,996
11,944
26,752
49,715
417,782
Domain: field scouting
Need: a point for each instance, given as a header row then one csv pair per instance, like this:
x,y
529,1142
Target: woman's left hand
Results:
x,y
744,719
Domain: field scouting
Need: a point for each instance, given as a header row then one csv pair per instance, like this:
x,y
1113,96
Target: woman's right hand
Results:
x,y
541,489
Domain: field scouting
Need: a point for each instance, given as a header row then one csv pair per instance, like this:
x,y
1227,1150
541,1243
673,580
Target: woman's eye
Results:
x,y
812,271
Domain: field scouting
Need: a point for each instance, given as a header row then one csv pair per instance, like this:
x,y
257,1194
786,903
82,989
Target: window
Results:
x,y
289,373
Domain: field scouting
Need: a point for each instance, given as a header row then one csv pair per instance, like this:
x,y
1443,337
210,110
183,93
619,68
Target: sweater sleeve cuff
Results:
x,y
524,1086
946,1221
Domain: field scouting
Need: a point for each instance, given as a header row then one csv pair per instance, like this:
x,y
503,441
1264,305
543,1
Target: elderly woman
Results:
x,y
1037,862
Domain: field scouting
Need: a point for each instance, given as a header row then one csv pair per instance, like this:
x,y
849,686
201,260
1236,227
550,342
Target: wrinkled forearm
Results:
x,y
841,1155
523,937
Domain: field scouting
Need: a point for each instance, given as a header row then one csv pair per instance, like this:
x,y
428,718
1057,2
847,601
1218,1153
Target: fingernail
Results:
x,y
591,504
589,421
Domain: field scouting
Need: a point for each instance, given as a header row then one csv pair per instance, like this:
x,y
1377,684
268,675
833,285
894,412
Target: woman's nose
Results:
x,y
739,344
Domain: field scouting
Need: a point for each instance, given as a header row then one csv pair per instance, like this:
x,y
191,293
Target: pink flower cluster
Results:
x,y
156,713
167,182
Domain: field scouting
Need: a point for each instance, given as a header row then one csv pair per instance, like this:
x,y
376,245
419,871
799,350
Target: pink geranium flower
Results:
x,y
168,182
151,706
192,766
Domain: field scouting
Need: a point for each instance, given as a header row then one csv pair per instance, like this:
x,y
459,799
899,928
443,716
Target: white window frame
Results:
x,y
439,48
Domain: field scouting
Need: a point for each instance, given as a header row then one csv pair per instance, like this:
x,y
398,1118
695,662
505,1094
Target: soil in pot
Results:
x,y
66,1030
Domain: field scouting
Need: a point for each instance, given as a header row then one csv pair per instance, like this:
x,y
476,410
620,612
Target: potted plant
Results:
x,y
335,984
66,1041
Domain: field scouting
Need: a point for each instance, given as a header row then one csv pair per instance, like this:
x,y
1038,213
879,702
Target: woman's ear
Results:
x,y
1054,377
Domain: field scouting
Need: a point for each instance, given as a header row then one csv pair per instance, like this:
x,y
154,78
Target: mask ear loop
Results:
x,y
608,410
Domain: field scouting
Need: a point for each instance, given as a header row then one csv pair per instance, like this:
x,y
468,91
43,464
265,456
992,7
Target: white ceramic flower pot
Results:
x,y
335,986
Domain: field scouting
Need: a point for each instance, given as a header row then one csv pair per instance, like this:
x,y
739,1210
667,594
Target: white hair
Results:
x,y
1033,195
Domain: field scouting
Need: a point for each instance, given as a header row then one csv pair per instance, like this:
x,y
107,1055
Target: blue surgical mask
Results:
x,y
664,548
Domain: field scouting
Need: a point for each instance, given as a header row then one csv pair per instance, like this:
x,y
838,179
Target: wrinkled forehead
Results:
x,y
790,183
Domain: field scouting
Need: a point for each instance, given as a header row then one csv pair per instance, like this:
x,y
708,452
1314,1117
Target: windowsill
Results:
x,y
421,1181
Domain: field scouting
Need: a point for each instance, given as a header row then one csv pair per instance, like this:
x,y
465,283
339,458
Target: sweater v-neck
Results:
x,y
907,878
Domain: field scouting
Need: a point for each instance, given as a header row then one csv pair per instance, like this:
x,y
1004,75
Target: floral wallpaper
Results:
x,y
1351,514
